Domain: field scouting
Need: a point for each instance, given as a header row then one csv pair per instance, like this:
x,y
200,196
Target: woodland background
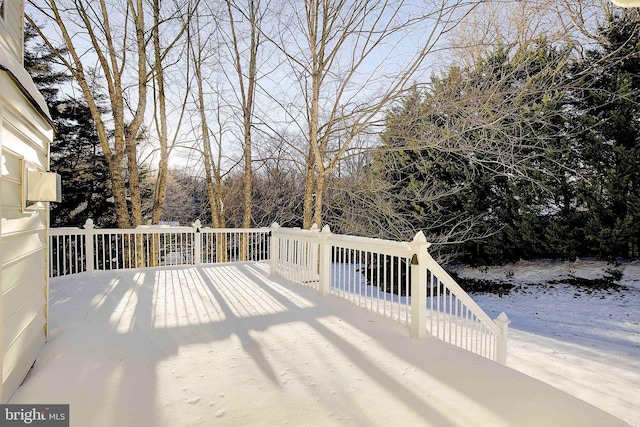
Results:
x,y
503,130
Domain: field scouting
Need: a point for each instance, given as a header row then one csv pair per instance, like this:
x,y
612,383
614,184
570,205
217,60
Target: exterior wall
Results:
x,y
24,139
11,28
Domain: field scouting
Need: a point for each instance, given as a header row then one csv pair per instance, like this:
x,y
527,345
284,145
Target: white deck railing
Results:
x,y
398,280
75,250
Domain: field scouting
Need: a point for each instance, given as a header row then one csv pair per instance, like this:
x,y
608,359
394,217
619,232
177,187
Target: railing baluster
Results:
x,y
450,314
104,254
60,250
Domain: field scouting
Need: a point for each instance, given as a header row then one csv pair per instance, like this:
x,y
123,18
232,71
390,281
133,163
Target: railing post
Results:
x,y
325,261
89,247
419,248
501,342
275,250
313,263
197,242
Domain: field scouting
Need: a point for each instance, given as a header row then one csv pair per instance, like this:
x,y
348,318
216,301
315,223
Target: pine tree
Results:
x,y
473,160
607,111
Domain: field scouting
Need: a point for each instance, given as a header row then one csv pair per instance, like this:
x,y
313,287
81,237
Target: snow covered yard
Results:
x,y
581,336
227,345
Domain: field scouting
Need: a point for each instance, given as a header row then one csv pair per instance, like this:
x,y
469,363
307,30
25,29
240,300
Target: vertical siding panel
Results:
x,y
4,36
22,306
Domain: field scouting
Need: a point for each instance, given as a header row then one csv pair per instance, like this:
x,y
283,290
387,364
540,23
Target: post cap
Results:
x,y
503,319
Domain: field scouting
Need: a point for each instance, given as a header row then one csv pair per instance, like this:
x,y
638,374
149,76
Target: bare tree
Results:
x,y
244,57
580,19
201,47
111,47
279,177
182,188
161,53
514,23
110,34
350,61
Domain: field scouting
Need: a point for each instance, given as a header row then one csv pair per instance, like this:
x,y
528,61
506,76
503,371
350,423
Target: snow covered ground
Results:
x,y
579,336
228,345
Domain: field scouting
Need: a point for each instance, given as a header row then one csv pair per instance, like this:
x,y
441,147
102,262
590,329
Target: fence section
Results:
x,y
454,317
75,250
294,255
219,245
398,280
67,251
372,273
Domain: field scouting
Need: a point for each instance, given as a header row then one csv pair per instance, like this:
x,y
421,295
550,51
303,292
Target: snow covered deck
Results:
x,y
228,345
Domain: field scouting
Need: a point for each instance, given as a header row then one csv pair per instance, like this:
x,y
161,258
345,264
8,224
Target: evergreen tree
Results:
x,y
472,161
606,110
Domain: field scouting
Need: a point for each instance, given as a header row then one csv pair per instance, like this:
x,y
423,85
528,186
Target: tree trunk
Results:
x,y
247,93
163,165
320,180
118,189
309,188
248,176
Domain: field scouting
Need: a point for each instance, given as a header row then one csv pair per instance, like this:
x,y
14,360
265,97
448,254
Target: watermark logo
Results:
x,y
34,415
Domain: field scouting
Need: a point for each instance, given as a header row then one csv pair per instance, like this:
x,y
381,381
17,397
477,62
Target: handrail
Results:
x,y
366,243
461,294
60,231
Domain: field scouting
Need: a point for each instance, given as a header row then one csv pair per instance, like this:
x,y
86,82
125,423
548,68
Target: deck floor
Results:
x,y
228,345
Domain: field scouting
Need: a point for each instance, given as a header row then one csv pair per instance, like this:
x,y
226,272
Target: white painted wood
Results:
x,y
11,28
10,193
14,221
30,128
16,247
25,135
25,287
10,161
22,139
23,304
20,357
150,246
15,273
438,305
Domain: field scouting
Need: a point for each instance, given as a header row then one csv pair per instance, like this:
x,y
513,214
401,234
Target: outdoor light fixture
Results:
x,y
626,3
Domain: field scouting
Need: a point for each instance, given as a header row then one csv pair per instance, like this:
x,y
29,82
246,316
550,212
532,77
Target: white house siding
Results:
x,y
24,137
11,28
